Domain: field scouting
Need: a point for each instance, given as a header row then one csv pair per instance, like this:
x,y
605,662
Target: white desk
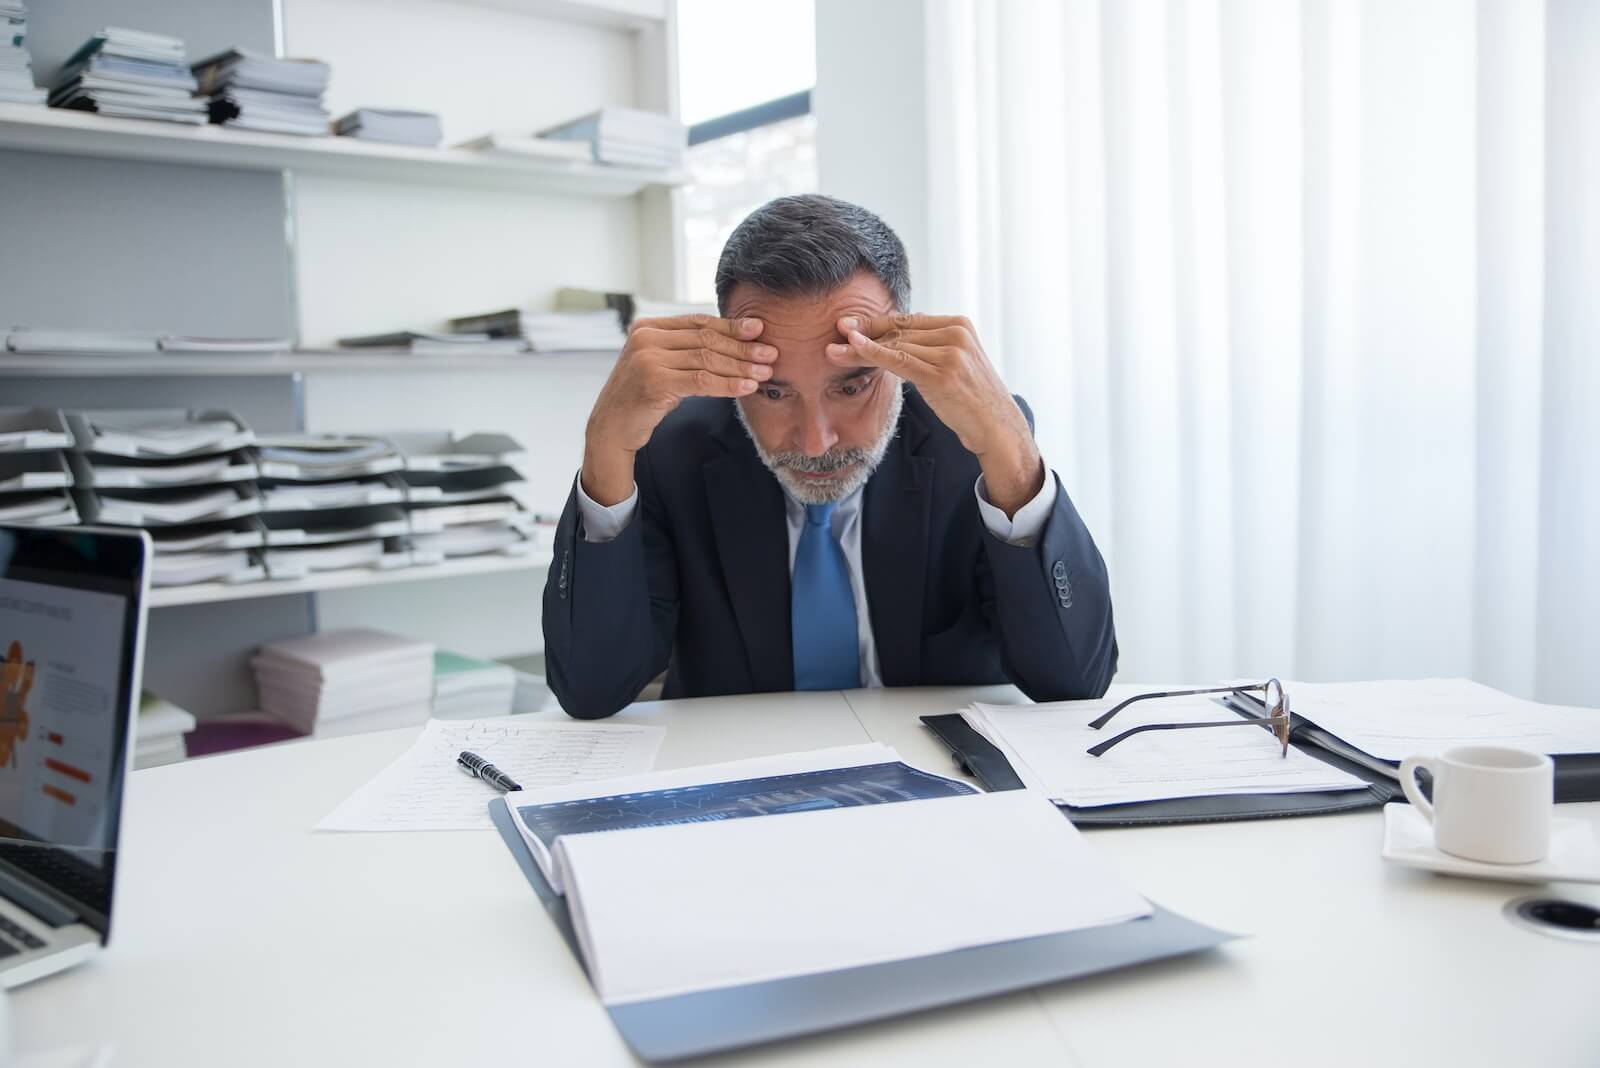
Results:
x,y
242,938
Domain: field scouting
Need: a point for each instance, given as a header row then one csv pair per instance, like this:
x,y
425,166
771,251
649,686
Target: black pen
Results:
x,y
479,768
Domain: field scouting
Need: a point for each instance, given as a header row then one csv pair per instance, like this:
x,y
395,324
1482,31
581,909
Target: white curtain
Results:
x,y
1306,297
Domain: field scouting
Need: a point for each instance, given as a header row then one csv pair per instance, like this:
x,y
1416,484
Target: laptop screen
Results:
x,y
68,627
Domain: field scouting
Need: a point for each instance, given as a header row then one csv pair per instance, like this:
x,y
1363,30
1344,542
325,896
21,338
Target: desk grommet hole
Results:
x,y
1556,917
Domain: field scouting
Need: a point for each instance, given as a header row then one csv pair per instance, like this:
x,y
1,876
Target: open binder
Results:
x,y
688,1025
1577,778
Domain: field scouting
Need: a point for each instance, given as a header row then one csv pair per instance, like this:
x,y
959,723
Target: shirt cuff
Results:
x,y
1024,528
602,523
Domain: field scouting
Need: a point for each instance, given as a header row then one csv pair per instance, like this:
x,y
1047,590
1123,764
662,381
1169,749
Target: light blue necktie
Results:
x,y
822,613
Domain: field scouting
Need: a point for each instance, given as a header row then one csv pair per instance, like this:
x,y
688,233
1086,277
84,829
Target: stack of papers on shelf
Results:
x,y
803,864
257,92
16,65
187,568
446,452
242,533
158,736
31,472
557,331
474,539
527,146
39,509
131,74
322,527
78,342
182,343
158,433
346,681
627,305
309,496
436,344
319,457
391,126
300,561
120,472
628,137
33,430
465,688
1047,745
463,485
168,507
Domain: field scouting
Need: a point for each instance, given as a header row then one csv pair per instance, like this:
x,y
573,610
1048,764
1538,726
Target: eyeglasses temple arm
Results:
x,y
1103,747
1107,717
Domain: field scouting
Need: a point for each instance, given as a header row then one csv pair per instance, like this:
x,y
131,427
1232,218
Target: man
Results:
x,y
817,491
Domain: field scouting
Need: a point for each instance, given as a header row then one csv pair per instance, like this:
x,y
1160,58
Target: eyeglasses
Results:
x,y
1273,697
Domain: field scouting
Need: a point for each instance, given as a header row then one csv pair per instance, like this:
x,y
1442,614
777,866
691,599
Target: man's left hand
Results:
x,y
941,356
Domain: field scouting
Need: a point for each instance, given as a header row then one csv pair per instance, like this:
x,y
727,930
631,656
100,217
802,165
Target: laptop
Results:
x,y
72,616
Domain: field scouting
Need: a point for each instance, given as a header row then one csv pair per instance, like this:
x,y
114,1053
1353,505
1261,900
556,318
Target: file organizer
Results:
x,y
690,1025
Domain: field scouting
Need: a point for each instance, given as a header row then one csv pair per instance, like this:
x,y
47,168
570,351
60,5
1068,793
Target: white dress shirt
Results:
x,y
602,523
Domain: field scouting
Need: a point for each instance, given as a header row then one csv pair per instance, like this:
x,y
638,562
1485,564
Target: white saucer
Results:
x,y
1573,858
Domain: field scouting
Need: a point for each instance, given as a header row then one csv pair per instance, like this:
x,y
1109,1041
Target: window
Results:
x,y
745,73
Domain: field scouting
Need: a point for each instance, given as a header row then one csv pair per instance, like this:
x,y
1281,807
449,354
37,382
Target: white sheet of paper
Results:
x,y
698,906
1047,745
1396,719
424,790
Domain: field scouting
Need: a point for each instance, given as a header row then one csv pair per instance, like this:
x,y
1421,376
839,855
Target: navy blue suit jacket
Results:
x,y
698,583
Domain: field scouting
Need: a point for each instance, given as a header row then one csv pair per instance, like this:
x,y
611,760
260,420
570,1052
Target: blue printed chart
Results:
x,y
871,784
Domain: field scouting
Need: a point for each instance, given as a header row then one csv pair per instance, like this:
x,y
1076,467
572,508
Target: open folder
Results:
x,y
727,911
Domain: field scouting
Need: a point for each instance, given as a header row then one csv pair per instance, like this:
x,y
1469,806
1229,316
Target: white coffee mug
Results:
x,y
1490,802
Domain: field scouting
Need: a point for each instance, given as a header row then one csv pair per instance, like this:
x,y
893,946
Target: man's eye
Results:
x,y
772,394
850,389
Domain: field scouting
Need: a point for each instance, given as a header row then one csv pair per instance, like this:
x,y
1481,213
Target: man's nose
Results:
x,y
817,435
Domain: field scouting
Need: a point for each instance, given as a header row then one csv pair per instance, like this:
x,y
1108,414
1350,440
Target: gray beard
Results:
x,y
860,462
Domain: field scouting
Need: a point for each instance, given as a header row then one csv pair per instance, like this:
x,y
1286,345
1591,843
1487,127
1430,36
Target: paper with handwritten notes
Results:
x,y
424,790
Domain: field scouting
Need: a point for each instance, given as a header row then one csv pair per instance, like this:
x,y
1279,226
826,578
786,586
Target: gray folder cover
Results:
x,y
688,1025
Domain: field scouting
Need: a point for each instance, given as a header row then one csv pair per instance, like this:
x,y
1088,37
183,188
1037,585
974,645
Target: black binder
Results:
x,y
1577,778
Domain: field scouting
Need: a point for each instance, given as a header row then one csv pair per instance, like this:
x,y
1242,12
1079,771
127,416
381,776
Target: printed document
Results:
x,y
1396,719
699,906
424,790
1047,745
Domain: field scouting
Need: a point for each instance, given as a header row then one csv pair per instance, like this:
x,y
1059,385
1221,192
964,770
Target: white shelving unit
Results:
x,y
304,361
80,133
351,578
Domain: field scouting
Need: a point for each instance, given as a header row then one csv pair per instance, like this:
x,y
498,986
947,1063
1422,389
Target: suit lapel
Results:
x,y
894,550
747,518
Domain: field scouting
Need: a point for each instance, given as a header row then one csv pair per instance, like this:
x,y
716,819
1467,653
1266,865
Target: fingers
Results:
x,y
877,326
732,328
703,383
717,364
708,339
909,361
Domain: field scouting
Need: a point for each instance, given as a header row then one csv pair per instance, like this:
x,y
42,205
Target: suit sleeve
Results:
x,y
1050,605
610,607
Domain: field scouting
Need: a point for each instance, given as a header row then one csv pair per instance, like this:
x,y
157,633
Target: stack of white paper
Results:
x,y
153,508
33,430
467,688
32,472
741,901
324,457
158,434
113,472
257,92
16,65
187,568
628,137
227,534
340,682
131,74
391,126
158,735
184,343
304,560
1047,746
38,509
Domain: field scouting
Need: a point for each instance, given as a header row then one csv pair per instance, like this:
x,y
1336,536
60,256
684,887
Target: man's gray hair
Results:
x,y
810,245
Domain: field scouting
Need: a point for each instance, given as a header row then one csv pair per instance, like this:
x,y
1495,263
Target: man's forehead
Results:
x,y
809,319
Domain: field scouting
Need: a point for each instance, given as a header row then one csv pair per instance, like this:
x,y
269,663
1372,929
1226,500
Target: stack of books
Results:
x,y
466,688
130,74
16,65
557,331
158,738
628,137
393,127
344,682
255,92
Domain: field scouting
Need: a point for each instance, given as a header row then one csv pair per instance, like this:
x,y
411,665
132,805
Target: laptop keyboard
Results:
x,y
16,938
67,874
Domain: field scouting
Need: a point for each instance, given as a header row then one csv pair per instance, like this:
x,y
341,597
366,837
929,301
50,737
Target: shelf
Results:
x,y
352,578
617,14
79,133
48,365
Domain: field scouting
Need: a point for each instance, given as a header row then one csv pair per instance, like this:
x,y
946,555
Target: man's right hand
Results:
x,y
664,361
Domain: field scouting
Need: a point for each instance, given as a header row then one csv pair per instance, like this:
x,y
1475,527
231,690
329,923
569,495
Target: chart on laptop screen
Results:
x,y
59,678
